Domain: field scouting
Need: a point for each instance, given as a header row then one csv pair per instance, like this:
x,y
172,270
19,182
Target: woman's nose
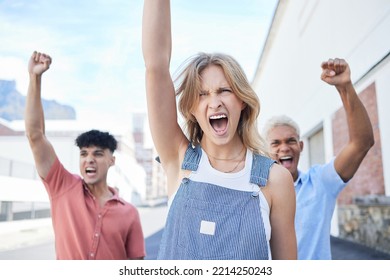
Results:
x,y
214,101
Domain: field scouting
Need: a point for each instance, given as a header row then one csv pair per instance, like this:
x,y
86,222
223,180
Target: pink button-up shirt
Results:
x,y
83,229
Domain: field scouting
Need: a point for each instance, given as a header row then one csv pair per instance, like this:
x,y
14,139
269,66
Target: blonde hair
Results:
x,y
189,86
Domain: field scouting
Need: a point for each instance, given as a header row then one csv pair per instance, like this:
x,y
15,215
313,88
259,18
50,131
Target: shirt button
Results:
x,y
96,234
92,254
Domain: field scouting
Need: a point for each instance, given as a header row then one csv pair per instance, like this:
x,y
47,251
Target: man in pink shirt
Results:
x,y
90,220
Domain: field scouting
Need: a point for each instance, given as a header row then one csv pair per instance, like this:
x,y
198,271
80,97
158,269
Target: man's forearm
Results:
x,y
359,124
34,117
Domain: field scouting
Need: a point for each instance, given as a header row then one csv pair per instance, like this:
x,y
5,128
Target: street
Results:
x,y
35,241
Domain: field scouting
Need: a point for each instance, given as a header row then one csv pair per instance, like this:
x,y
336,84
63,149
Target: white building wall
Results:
x,y
305,33
127,175
17,147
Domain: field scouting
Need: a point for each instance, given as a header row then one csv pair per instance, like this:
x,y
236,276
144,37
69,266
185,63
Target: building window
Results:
x,y
316,148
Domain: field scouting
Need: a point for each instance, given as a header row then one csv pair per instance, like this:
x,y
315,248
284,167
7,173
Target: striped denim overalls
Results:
x,y
211,222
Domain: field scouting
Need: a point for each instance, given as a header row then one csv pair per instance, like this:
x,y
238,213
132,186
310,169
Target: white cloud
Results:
x,y
97,60
14,68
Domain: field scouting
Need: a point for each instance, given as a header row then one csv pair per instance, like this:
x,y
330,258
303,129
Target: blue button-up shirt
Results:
x,y
316,194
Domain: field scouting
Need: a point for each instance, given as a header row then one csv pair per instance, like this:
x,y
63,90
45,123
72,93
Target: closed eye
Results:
x,y
99,153
224,90
274,144
292,141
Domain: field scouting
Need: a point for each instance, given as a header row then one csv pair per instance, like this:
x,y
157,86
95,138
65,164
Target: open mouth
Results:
x,y
90,170
219,123
286,161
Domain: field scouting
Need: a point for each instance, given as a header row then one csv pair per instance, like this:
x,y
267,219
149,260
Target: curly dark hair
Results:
x,y
96,138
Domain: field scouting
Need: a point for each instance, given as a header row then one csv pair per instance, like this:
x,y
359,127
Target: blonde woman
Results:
x,y
228,200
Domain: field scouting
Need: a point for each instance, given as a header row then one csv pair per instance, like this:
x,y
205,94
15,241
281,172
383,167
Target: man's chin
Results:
x,y
89,181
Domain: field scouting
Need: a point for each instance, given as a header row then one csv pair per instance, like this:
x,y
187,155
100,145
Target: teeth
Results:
x,y
90,169
216,117
285,158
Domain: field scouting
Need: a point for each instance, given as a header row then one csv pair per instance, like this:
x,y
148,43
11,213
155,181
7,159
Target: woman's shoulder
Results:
x,y
280,178
280,173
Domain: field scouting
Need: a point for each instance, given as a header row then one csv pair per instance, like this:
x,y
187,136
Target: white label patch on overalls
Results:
x,y
207,227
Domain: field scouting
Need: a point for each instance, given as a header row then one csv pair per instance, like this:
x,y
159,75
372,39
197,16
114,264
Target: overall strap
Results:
x,y
192,157
260,169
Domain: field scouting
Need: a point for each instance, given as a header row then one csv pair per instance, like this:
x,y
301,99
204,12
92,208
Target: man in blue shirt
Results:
x,y
318,188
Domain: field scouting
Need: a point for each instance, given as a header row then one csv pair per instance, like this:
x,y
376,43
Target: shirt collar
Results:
x,y
114,191
298,181
116,195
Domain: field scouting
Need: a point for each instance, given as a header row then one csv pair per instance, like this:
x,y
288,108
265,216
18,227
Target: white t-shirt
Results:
x,y
236,181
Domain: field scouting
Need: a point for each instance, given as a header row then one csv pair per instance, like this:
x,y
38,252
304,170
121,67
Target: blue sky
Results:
x,y
96,46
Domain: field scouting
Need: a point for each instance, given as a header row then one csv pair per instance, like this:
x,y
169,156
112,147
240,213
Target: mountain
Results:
x,y
12,105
